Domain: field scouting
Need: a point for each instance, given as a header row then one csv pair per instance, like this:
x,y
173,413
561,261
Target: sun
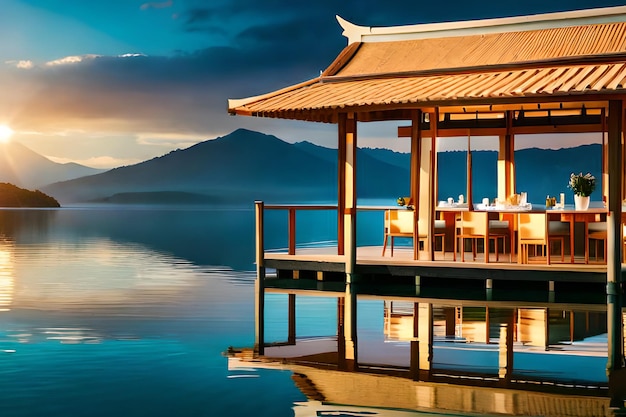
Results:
x,y
5,133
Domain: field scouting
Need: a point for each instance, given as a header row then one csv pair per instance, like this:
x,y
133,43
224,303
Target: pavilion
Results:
x,y
550,73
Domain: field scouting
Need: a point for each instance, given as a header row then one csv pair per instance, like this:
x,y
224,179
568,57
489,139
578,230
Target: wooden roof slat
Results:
x,y
591,78
608,75
582,63
581,74
544,82
422,89
486,49
563,78
618,80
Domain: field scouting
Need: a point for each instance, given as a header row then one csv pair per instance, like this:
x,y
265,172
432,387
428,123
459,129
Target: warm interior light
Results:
x,y
5,133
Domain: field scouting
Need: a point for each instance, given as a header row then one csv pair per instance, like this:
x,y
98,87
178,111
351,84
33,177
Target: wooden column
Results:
x,y
259,283
348,128
506,167
469,196
434,117
341,182
605,159
450,314
416,155
615,332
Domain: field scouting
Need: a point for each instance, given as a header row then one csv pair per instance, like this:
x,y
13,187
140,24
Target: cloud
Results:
x,y
167,140
157,5
251,48
100,162
21,64
70,60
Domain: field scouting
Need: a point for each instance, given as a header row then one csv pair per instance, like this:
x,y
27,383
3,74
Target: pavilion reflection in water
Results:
x,y
499,352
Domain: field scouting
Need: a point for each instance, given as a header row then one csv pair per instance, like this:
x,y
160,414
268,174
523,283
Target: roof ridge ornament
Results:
x,y
353,32
356,33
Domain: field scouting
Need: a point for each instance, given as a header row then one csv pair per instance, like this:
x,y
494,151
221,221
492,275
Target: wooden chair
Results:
x,y
533,231
399,223
597,233
501,229
440,232
474,225
558,231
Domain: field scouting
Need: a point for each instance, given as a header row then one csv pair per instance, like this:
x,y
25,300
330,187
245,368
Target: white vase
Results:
x,y
581,203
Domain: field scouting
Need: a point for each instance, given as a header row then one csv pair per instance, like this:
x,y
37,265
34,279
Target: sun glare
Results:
x,y
5,133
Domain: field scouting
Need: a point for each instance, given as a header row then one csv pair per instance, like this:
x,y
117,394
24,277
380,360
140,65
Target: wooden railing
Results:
x,y
291,209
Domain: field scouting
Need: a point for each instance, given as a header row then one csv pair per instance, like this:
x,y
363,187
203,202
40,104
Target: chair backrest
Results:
x,y
474,222
532,226
399,222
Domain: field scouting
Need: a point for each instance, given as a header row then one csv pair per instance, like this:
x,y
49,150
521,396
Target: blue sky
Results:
x,y
116,82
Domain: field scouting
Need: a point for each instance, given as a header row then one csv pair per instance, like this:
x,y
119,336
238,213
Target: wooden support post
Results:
x,y
551,294
416,156
470,197
615,328
506,167
350,198
450,314
341,182
348,127
291,333
292,231
259,283
432,201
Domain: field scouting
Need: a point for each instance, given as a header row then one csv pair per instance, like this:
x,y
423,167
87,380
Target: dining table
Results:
x,y
568,214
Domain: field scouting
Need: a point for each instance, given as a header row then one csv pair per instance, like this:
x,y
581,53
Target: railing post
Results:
x,y
259,284
292,231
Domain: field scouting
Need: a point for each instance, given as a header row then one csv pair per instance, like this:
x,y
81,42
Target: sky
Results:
x,y
107,83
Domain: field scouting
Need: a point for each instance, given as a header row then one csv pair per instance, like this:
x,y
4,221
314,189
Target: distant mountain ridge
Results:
x,y
244,166
25,168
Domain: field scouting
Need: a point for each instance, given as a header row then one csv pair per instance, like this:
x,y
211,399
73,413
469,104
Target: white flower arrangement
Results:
x,y
582,185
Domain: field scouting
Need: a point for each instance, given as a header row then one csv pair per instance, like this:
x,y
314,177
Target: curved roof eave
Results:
x,y
356,33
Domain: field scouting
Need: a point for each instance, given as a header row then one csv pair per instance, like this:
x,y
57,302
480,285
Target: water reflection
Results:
x,y
7,278
435,355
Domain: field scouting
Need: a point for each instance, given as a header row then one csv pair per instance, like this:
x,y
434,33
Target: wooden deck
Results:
x,y
370,261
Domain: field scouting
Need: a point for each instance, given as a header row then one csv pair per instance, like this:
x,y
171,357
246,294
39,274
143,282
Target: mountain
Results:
x,y
242,166
25,168
245,166
12,196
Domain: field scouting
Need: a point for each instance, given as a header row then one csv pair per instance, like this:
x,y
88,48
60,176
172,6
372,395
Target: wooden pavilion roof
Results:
x,y
558,57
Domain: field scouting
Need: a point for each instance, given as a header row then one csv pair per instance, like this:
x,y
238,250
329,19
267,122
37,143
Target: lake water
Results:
x,y
127,311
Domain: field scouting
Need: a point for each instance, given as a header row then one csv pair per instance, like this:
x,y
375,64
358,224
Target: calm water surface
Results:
x,y
127,311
